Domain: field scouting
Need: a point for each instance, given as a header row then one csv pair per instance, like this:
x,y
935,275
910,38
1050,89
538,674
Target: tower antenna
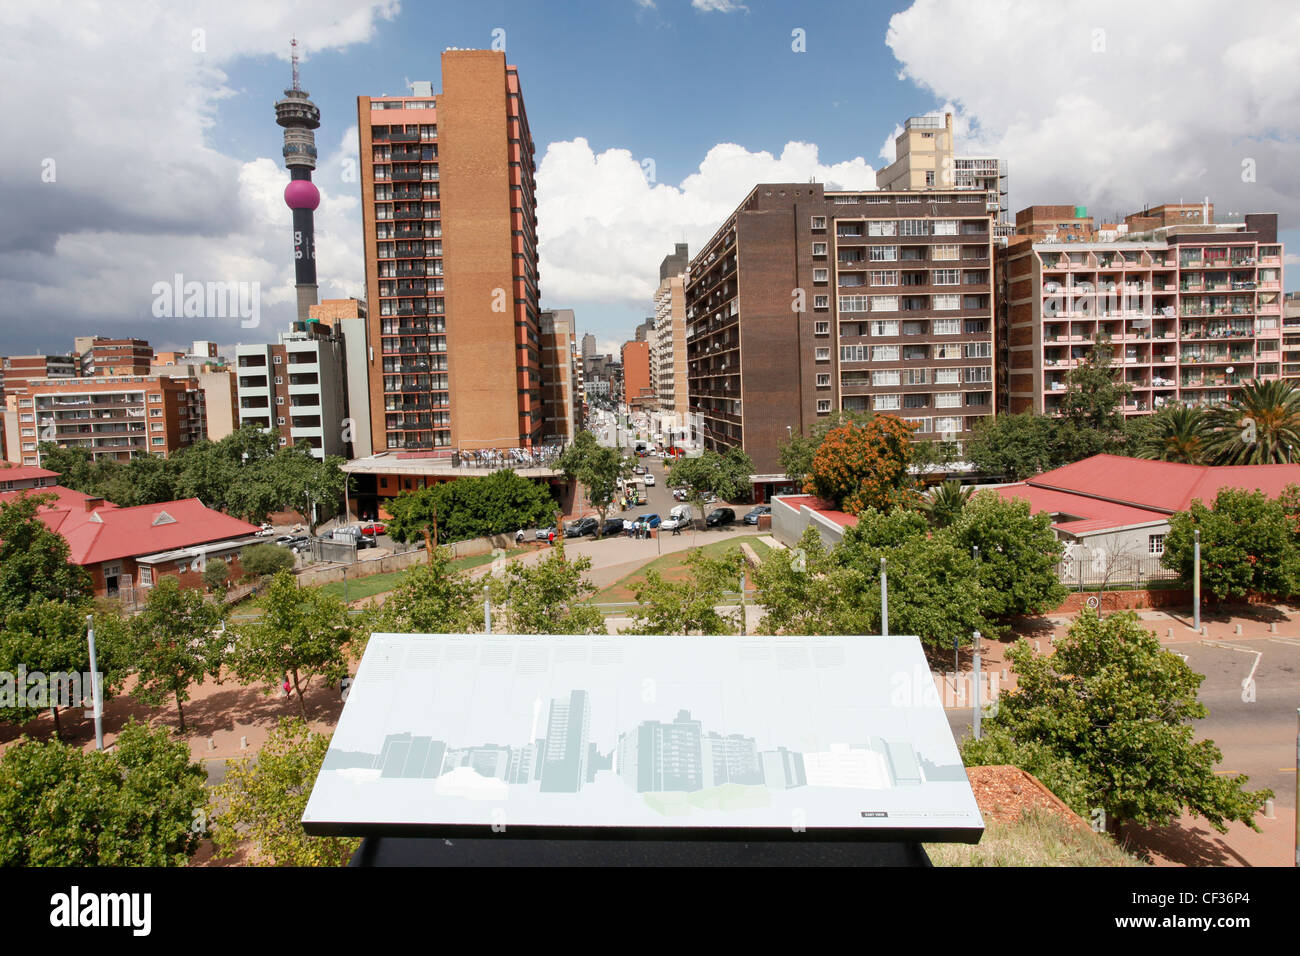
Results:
x,y
293,47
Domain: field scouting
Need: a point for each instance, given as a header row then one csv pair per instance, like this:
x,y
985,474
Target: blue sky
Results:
x,y
173,164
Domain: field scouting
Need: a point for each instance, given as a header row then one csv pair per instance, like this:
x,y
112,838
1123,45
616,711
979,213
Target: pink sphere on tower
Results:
x,y
301,194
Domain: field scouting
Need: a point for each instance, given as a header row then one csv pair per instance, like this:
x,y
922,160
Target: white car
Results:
x,y
673,522
649,480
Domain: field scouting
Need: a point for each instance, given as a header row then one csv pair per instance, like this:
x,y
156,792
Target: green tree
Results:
x,y
801,588
262,559
865,466
728,476
49,637
315,488
1259,426
795,455
598,470
262,800
545,597
1179,433
74,465
1018,554
174,645
1248,545
414,514
1105,723
303,634
1014,446
215,575
469,508
139,804
689,606
1094,393
433,598
33,559
944,503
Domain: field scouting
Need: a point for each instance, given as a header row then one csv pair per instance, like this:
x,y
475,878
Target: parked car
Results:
x,y
651,521
638,469
709,498
582,527
300,543
612,526
752,516
674,522
285,540
649,480
373,529
353,533
265,531
720,517
544,534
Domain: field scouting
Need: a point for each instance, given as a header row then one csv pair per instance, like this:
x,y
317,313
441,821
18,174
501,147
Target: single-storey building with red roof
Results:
x,y
130,548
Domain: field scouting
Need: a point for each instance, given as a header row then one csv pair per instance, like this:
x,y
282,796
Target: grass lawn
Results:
x,y
672,567
1035,839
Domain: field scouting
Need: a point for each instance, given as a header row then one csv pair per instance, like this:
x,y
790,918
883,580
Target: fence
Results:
x,y
497,458
333,551
1101,570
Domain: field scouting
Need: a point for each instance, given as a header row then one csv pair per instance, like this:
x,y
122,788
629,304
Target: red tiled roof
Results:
x,y
1079,513
108,532
24,472
1162,485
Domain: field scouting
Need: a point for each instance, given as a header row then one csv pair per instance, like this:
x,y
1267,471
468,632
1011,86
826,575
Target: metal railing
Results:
x,y
1100,570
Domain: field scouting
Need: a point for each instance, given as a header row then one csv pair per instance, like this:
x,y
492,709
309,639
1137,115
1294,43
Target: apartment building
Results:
x,y
450,234
348,319
637,390
296,387
1291,335
668,352
1191,310
116,417
561,401
17,370
100,356
926,158
807,301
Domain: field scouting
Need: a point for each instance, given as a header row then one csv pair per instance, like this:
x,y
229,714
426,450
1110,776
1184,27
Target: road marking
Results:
x,y
1259,655
1286,640
1225,772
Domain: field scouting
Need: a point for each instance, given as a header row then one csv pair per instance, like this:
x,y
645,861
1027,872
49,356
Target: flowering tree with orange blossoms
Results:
x,y
865,466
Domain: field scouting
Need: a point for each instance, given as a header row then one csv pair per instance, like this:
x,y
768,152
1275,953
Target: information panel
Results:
x,y
644,737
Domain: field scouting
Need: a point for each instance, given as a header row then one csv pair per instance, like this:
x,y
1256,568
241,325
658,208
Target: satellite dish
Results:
x,y
1230,370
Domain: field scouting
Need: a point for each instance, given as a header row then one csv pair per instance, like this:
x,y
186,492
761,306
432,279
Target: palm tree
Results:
x,y
945,502
1178,433
1260,426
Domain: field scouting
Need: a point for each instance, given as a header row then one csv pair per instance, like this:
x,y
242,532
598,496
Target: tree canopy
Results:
x,y
864,466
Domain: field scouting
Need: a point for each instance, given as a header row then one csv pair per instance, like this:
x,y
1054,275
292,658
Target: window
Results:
x,y
156,427
884,328
885,303
853,303
914,376
279,421
821,328
916,401
819,248
158,440
155,398
922,424
1155,544
887,228
823,406
146,576
884,253
853,353
819,222
913,328
821,302
888,377
885,402
946,276
981,374
946,326
884,353
884,278
945,227
942,253
279,380
945,302
824,380
946,376
947,400
823,355
820,275
975,326
947,426
977,350
155,413
916,227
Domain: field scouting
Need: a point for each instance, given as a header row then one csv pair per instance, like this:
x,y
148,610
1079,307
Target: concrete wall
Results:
x,y
788,524
399,562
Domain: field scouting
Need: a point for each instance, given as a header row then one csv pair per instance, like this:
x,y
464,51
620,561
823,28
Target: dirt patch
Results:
x,y
1005,793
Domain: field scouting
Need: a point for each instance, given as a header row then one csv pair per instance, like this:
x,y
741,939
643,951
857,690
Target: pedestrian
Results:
x,y
550,537
677,527
285,685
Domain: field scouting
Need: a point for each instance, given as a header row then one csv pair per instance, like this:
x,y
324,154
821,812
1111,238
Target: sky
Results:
x,y
140,141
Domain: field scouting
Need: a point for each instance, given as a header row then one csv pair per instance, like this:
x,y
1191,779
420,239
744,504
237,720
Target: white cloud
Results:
x,y
718,6
124,107
1112,104
603,227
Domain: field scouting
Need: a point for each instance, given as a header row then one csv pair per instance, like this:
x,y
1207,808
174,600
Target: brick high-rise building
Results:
x,y
19,369
807,301
668,353
450,229
117,357
1190,311
638,393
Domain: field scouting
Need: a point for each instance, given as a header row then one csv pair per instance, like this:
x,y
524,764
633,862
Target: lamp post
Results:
x,y
884,601
1196,579
94,684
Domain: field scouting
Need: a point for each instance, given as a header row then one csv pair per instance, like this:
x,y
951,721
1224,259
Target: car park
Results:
x,y
752,516
719,518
